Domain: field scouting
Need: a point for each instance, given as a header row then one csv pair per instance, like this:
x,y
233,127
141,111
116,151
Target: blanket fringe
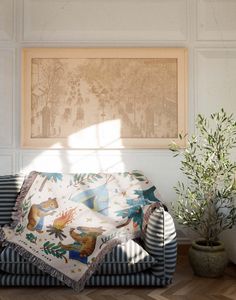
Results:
x,y
2,236
17,214
75,285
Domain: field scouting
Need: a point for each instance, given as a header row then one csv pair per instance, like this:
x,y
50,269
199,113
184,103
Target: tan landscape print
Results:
x,y
70,94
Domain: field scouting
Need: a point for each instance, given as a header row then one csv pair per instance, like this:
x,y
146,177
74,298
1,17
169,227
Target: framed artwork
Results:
x,y
95,98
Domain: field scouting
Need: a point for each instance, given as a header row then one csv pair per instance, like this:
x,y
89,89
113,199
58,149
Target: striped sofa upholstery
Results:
x,y
139,279
9,188
124,259
159,241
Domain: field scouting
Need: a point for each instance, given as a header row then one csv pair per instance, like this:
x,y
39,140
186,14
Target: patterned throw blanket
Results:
x,y
65,224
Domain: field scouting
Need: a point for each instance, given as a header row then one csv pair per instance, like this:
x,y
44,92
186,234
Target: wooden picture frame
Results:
x,y
103,98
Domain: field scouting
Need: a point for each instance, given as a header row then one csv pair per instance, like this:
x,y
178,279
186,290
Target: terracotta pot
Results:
x,y
208,261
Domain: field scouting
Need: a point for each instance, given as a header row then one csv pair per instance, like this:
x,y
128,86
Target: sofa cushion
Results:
x,y
10,186
126,258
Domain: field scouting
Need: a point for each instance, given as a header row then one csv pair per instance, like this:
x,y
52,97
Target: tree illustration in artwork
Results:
x,y
50,176
133,213
144,197
46,89
31,238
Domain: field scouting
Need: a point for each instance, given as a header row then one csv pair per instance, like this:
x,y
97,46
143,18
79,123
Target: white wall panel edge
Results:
x,y
11,51
18,96
105,43
14,12
139,152
17,161
19,20
12,36
10,168
14,96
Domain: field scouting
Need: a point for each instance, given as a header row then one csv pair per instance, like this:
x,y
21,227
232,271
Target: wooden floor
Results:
x,y
186,286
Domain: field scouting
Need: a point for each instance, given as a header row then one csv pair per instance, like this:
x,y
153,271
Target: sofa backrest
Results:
x,y
10,186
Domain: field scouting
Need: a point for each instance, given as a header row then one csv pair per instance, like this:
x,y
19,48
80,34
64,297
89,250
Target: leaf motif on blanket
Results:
x,y
134,212
25,206
54,250
50,176
31,237
83,178
19,229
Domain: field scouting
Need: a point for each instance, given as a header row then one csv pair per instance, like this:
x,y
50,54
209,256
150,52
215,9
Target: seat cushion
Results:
x,y
126,258
10,186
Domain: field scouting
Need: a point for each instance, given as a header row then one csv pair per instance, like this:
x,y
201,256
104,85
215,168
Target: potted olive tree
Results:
x,y
206,200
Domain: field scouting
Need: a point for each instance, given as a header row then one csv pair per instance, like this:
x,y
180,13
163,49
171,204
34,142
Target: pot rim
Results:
x,y
219,247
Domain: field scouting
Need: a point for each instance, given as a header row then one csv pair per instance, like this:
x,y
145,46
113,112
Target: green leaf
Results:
x,y
137,174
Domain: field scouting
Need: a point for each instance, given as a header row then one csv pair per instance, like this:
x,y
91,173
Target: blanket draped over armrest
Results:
x,y
67,223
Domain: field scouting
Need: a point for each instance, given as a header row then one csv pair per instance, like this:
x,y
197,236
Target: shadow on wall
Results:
x,y
158,165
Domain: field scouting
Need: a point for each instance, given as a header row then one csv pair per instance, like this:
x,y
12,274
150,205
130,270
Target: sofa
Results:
x,y
126,266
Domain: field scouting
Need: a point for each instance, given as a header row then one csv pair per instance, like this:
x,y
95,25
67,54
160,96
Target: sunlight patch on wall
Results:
x,y
95,161
73,161
68,161
45,161
97,136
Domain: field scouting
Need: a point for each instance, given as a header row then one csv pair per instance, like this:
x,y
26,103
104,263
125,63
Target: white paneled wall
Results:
x,y
6,97
216,20
206,27
215,79
6,20
105,20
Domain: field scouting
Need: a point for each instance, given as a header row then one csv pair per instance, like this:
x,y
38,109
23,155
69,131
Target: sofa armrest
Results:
x,y
160,242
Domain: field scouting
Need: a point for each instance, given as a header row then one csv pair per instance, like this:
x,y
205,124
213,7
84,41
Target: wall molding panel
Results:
x,y
92,20
216,20
215,75
7,163
6,97
6,20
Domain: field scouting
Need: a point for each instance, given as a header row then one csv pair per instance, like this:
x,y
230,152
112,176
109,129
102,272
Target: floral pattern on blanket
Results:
x,y
66,223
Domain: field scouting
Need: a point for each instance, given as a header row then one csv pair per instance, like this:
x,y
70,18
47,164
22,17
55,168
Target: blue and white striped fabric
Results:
x,y
160,242
127,258
139,279
9,188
